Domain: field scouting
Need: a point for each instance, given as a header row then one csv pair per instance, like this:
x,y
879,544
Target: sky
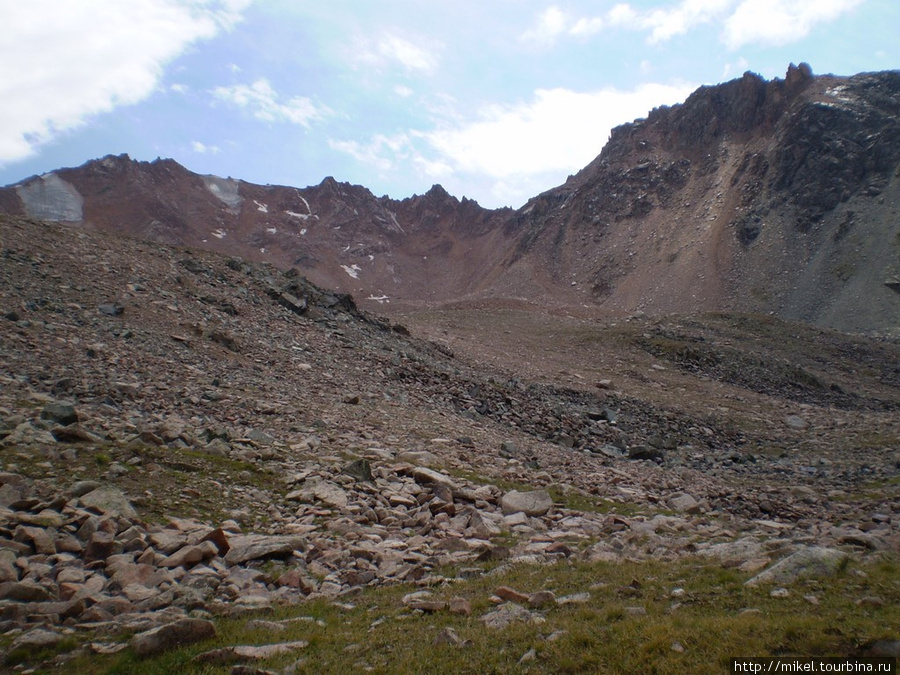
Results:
x,y
496,100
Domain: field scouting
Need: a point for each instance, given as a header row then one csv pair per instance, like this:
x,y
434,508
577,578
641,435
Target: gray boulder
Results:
x,y
534,503
814,562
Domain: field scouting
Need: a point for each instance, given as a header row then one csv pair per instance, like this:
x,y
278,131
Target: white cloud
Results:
x,y
560,130
662,24
391,49
509,153
665,24
382,152
203,149
771,22
552,23
589,25
61,62
265,104
779,22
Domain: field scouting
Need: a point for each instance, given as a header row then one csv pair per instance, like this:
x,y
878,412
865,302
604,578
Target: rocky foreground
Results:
x,y
186,437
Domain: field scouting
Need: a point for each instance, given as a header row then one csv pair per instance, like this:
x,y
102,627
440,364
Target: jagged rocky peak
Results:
x,y
714,111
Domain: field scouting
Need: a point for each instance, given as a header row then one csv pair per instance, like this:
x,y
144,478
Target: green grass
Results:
x,y
707,619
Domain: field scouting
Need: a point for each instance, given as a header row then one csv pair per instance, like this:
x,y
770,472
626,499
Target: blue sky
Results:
x,y
496,100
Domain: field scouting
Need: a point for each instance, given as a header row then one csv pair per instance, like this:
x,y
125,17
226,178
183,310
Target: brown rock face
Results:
x,y
752,195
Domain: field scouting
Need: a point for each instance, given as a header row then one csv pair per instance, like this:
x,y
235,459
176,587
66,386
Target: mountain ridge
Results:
x,y
768,196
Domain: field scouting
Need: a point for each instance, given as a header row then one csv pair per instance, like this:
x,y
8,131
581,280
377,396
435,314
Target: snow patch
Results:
x,y
301,216
262,250
381,299
226,189
303,231
219,234
49,197
261,207
272,230
371,257
352,270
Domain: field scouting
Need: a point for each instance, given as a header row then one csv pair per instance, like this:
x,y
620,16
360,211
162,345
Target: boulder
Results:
x,y
809,563
534,503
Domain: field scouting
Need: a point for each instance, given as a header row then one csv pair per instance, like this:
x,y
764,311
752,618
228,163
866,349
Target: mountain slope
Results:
x,y
340,235
768,196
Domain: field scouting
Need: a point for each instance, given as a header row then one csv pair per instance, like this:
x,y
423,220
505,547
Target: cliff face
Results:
x,y
770,196
774,196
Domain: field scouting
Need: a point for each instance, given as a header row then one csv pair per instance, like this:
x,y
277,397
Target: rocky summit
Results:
x,y
211,463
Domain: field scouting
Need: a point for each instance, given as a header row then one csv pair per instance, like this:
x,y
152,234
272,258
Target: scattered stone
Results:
x,y
460,607
111,309
685,503
541,599
512,595
448,636
796,422
508,613
359,469
574,599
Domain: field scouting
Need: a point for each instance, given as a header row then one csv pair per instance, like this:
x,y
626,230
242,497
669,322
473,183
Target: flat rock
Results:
x,y
36,639
110,501
250,652
24,591
257,546
428,476
809,563
172,635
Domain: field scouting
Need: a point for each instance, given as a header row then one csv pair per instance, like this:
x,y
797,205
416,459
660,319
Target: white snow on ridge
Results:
x,y
301,216
261,207
381,299
219,234
272,230
352,270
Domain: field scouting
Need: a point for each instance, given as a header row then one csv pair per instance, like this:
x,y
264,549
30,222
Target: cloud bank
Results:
x,y
88,57
740,22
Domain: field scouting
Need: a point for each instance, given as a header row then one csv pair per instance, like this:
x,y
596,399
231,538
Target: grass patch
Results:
x,y
635,621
